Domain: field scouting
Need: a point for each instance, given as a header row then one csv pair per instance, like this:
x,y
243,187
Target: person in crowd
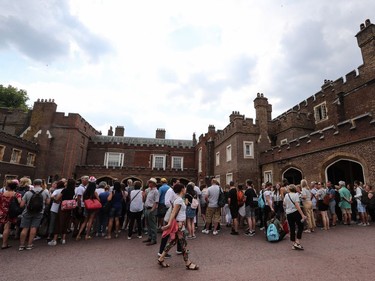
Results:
x,y
54,210
135,209
353,204
322,207
251,203
129,187
332,202
90,193
118,195
278,225
226,209
233,207
370,202
295,216
198,193
162,209
307,206
63,218
268,201
174,229
203,203
151,205
190,212
5,200
30,218
105,199
345,203
278,202
213,210
314,190
361,208
79,211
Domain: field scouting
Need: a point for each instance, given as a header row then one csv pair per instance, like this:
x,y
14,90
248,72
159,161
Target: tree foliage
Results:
x,y
13,98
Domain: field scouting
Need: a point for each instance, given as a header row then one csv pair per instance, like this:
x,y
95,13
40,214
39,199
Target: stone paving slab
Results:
x,y
344,253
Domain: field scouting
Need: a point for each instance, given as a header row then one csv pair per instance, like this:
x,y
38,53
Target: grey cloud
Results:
x,y
44,31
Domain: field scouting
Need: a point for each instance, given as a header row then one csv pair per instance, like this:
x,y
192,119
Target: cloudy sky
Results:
x,y
177,65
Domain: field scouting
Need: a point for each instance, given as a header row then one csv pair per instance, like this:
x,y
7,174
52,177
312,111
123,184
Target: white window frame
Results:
x,y
283,141
229,153
251,154
268,177
228,178
217,159
16,156
174,158
320,112
120,159
200,160
30,159
157,156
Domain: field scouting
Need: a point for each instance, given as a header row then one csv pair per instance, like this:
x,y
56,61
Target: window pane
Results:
x,y
159,162
177,163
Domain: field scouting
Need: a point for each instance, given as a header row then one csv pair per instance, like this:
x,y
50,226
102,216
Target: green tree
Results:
x,y
13,98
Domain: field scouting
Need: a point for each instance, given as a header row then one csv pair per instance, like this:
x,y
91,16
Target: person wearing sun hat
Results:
x,y
151,208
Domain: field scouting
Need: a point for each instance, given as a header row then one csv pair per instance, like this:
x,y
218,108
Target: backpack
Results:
x,y
261,203
222,200
326,198
14,208
240,198
36,202
272,233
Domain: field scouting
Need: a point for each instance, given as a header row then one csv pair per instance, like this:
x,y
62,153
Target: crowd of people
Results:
x,y
29,211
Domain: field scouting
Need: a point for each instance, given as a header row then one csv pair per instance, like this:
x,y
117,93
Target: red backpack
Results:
x,y
240,198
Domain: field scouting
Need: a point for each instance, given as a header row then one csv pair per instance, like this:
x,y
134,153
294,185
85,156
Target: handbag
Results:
x,y
92,204
67,205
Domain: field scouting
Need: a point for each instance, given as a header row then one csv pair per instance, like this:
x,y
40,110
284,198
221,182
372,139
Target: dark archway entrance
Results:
x,y
345,170
293,176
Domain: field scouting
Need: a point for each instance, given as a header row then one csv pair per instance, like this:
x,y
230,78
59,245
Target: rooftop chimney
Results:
x,y
160,134
119,131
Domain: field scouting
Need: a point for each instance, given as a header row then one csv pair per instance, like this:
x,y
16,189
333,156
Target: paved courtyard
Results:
x,y
344,253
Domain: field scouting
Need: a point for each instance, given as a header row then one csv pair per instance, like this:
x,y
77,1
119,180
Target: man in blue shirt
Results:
x,y
162,209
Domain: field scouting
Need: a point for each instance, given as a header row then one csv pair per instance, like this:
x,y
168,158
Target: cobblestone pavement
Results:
x,y
344,252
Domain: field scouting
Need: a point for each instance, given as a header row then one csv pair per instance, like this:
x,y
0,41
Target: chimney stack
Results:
x,y
160,134
119,131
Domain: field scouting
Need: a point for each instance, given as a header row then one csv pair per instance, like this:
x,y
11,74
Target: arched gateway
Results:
x,y
346,170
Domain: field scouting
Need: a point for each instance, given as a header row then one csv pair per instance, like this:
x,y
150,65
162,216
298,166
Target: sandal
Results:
x,y
88,238
192,266
5,247
163,264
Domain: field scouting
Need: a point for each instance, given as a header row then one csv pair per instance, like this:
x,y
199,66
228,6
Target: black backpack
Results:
x,y
222,199
36,202
14,208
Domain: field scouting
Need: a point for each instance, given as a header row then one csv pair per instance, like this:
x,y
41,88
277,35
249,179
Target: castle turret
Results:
x,y
263,115
366,41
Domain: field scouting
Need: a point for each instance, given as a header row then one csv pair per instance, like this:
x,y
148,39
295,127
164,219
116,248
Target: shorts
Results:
x,y
190,212
234,212
361,208
31,220
213,214
346,211
322,207
115,212
332,207
249,212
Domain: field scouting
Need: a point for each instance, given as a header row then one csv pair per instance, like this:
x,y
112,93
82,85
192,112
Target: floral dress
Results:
x,y
4,208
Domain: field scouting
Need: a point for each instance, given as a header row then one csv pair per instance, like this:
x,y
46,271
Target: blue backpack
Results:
x,y
272,233
261,203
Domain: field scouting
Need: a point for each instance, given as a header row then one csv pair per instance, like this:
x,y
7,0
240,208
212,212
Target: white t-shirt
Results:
x,y
169,198
269,194
306,192
290,206
313,200
213,193
79,191
136,204
181,216
55,206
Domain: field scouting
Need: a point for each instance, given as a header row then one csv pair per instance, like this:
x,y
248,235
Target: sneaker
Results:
x,y
129,237
206,231
368,224
52,243
140,236
63,242
297,246
215,232
252,233
261,229
178,252
29,247
21,248
247,233
37,238
193,237
167,256
360,224
307,231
